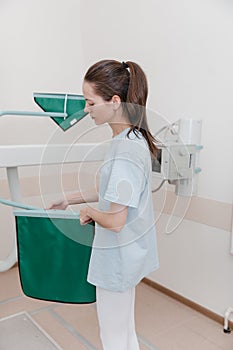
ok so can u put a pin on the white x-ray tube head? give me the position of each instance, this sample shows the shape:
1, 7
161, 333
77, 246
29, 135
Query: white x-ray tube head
189, 131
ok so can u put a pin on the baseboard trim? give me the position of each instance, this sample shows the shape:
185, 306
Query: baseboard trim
210, 314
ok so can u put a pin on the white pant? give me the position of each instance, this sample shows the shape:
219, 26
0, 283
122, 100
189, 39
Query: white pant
116, 319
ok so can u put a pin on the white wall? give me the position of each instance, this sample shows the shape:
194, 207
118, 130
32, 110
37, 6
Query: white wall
185, 49
195, 262
40, 52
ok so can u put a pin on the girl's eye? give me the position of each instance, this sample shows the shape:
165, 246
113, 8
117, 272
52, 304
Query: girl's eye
90, 104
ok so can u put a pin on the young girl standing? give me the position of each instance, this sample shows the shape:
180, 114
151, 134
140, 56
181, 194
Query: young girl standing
124, 248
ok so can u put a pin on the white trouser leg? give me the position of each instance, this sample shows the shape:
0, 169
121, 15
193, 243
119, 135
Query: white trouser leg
116, 319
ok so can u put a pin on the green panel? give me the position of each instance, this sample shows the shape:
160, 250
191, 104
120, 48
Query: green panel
53, 257
73, 105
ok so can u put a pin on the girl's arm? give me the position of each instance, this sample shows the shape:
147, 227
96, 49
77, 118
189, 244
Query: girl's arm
114, 219
76, 198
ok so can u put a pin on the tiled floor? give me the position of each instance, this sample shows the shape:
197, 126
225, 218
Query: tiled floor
162, 323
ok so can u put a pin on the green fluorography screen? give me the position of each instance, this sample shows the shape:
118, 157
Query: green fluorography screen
53, 255
73, 105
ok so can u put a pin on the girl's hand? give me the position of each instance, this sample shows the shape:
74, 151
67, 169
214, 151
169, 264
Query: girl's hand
84, 217
61, 204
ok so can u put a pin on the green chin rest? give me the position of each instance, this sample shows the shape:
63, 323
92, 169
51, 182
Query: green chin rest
72, 105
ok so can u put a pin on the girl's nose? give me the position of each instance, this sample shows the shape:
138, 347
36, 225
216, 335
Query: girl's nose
86, 109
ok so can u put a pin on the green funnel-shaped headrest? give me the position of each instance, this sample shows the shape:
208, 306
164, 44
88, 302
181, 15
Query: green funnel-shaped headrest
73, 105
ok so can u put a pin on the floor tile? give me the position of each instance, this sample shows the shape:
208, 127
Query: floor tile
10, 285
182, 338
211, 330
83, 319
20, 332
155, 312
58, 331
22, 304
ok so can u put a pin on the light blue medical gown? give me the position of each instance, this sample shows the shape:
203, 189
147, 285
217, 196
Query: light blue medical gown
120, 260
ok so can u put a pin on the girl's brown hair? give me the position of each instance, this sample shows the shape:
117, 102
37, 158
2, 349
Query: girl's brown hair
128, 81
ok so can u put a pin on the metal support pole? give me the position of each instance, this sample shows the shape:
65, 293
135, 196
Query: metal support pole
14, 187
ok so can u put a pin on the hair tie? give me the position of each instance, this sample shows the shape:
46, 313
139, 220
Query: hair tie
124, 65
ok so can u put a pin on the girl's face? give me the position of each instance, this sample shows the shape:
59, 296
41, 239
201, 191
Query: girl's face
100, 110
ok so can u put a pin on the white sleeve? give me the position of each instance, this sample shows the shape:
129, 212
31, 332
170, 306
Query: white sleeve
126, 181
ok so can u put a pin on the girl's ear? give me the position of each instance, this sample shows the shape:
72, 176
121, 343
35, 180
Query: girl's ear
116, 100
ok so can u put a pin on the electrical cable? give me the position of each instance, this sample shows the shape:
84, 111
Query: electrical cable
158, 188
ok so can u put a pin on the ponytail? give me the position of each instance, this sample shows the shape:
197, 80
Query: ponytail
128, 81
136, 104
